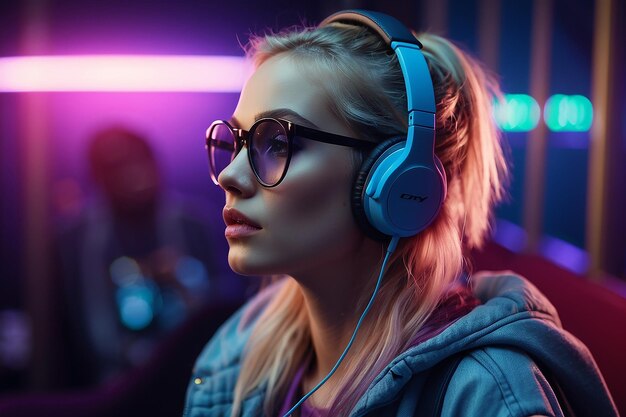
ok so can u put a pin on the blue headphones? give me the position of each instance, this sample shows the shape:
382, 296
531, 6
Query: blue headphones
401, 185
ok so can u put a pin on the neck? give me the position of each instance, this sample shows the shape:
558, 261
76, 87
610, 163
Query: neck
334, 313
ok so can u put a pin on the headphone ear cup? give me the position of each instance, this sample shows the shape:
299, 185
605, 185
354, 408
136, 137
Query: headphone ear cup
358, 210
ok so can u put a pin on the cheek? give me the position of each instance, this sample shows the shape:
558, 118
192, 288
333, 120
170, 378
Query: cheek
312, 213
312, 207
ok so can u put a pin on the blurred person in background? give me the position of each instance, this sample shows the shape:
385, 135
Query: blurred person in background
133, 266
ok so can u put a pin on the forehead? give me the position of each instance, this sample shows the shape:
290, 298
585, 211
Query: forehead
279, 83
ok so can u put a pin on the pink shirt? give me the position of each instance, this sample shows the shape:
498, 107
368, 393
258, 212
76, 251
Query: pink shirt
292, 399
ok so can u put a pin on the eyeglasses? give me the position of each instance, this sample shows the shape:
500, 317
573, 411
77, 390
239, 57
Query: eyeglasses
270, 146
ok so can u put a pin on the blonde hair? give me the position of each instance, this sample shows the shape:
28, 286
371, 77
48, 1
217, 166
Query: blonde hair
365, 89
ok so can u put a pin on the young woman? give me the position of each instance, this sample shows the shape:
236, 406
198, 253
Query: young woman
297, 161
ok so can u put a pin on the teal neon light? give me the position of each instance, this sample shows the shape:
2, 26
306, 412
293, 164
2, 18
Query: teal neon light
517, 113
568, 113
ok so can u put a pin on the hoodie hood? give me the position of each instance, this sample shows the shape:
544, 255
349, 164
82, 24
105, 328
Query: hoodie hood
514, 313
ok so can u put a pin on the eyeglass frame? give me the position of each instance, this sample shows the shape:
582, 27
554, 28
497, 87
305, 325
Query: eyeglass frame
242, 137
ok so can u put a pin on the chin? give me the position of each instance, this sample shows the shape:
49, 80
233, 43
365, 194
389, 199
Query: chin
242, 265
249, 263
238, 266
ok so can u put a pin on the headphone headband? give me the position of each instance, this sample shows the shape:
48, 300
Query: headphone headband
388, 27
402, 191
420, 94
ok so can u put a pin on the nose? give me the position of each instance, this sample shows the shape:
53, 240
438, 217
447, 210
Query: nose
237, 178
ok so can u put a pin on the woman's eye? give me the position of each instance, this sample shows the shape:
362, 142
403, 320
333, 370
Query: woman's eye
279, 146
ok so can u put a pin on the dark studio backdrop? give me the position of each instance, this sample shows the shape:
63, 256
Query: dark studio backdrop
44, 174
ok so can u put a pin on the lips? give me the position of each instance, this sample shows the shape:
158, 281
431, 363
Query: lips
237, 224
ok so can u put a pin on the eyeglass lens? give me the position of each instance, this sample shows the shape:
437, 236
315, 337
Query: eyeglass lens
268, 149
221, 148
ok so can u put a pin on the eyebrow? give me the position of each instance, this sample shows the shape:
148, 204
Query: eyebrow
287, 114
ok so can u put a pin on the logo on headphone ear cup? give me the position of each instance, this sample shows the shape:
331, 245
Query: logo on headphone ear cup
408, 198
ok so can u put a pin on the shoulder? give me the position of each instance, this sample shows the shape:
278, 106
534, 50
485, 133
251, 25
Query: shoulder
215, 373
499, 381
227, 344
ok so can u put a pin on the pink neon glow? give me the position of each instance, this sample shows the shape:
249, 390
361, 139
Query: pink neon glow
123, 73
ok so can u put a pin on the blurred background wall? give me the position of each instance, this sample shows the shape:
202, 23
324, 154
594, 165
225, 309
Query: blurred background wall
561, 64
